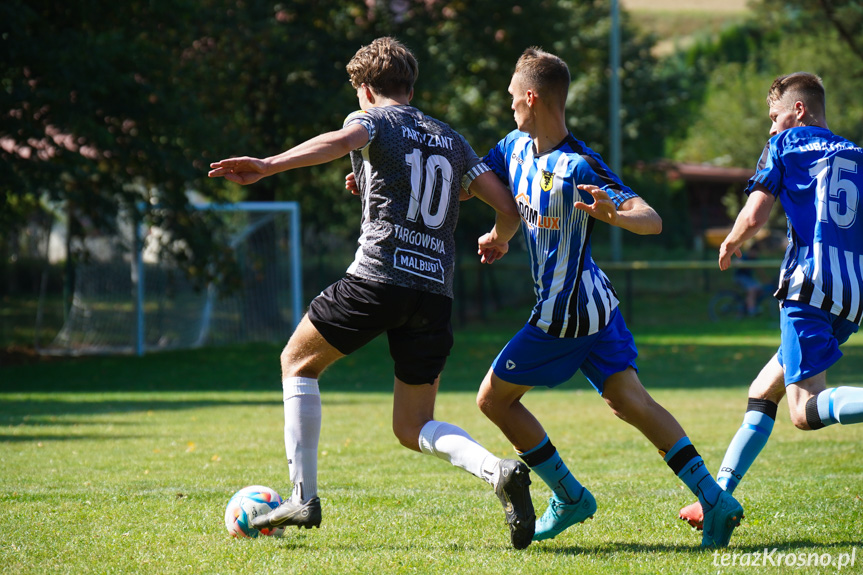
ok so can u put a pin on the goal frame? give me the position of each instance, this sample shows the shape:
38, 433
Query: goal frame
138, 280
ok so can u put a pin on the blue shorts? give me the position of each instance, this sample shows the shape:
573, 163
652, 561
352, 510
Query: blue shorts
810, 340
534, 358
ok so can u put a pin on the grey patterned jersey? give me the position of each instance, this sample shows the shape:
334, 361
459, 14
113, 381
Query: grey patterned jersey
409, 175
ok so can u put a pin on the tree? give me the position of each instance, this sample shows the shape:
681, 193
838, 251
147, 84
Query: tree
728, 125
120, 107
97, 117
845, 17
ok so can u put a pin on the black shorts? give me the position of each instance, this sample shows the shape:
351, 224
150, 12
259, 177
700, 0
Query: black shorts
353, 311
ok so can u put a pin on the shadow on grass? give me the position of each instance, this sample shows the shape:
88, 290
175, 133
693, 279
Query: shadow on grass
794, 546
254, 368
53, 413
611, 549
615, 547
29, 438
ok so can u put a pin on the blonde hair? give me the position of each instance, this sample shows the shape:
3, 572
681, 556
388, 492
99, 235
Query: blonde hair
800, 86
545, 73
386, 66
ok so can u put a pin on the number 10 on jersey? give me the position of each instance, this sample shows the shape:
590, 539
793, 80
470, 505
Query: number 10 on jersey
426, 177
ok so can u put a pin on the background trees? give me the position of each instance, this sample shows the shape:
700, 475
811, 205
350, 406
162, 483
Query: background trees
729, 124
112, 107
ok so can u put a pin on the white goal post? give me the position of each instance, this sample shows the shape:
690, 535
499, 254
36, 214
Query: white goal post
128, 299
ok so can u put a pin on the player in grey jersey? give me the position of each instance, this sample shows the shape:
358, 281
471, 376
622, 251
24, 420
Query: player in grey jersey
410, 169
408, 239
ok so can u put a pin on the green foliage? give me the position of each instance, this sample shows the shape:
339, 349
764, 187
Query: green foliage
728, 123
97, 114
120, 107
731, 128
669, 200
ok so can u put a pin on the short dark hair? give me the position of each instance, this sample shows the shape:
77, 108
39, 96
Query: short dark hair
803, 87
386, 66
545, 73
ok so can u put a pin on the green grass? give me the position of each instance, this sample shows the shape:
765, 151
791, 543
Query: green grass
125, 464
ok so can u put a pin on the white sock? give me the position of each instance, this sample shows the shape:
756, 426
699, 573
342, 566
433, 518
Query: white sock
450, 443
302, 432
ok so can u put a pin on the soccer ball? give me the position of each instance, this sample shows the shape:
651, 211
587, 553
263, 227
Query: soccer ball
245, 505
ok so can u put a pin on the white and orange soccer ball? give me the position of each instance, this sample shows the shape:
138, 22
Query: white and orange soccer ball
245, 505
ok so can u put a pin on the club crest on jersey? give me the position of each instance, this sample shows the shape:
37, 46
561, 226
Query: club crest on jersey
547, 180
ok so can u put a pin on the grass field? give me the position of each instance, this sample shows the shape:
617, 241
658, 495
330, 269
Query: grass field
124, 465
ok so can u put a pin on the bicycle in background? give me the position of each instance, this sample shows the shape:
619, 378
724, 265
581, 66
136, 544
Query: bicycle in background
731, 304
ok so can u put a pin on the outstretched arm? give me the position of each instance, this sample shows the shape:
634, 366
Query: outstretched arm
494, 245
634, 215
751, 218
318, 150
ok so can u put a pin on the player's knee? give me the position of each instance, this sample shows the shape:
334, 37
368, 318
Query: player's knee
622, 412
802, 425
624, 408
492, 406
484, 402
798, 418
408, 435
290, 366
297, 365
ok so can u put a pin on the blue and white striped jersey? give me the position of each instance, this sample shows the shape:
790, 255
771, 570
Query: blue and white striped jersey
574, 297
818, 178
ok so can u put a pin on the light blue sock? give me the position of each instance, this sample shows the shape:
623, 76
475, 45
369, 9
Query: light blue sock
545, 461
684, 461
840, 405
748, 442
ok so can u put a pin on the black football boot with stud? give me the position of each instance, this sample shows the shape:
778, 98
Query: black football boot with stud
304, 515
514, 494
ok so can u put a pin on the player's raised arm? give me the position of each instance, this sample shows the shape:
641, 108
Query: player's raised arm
634, 215
318, 150
495, 244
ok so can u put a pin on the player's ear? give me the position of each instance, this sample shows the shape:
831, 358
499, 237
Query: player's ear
411, 95
799, 110
369, 93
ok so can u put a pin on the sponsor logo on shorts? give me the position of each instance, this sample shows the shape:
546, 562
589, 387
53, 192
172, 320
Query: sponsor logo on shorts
419, 265
510, 364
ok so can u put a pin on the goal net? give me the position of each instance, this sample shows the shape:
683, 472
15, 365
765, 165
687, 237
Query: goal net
128, 298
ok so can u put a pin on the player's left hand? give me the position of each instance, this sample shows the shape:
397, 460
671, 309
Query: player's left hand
491, 248
725, 253
351, 184
602, 208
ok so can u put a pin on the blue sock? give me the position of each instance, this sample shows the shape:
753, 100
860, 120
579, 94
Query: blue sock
545, 461
836, 405
748, 442
684, 461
